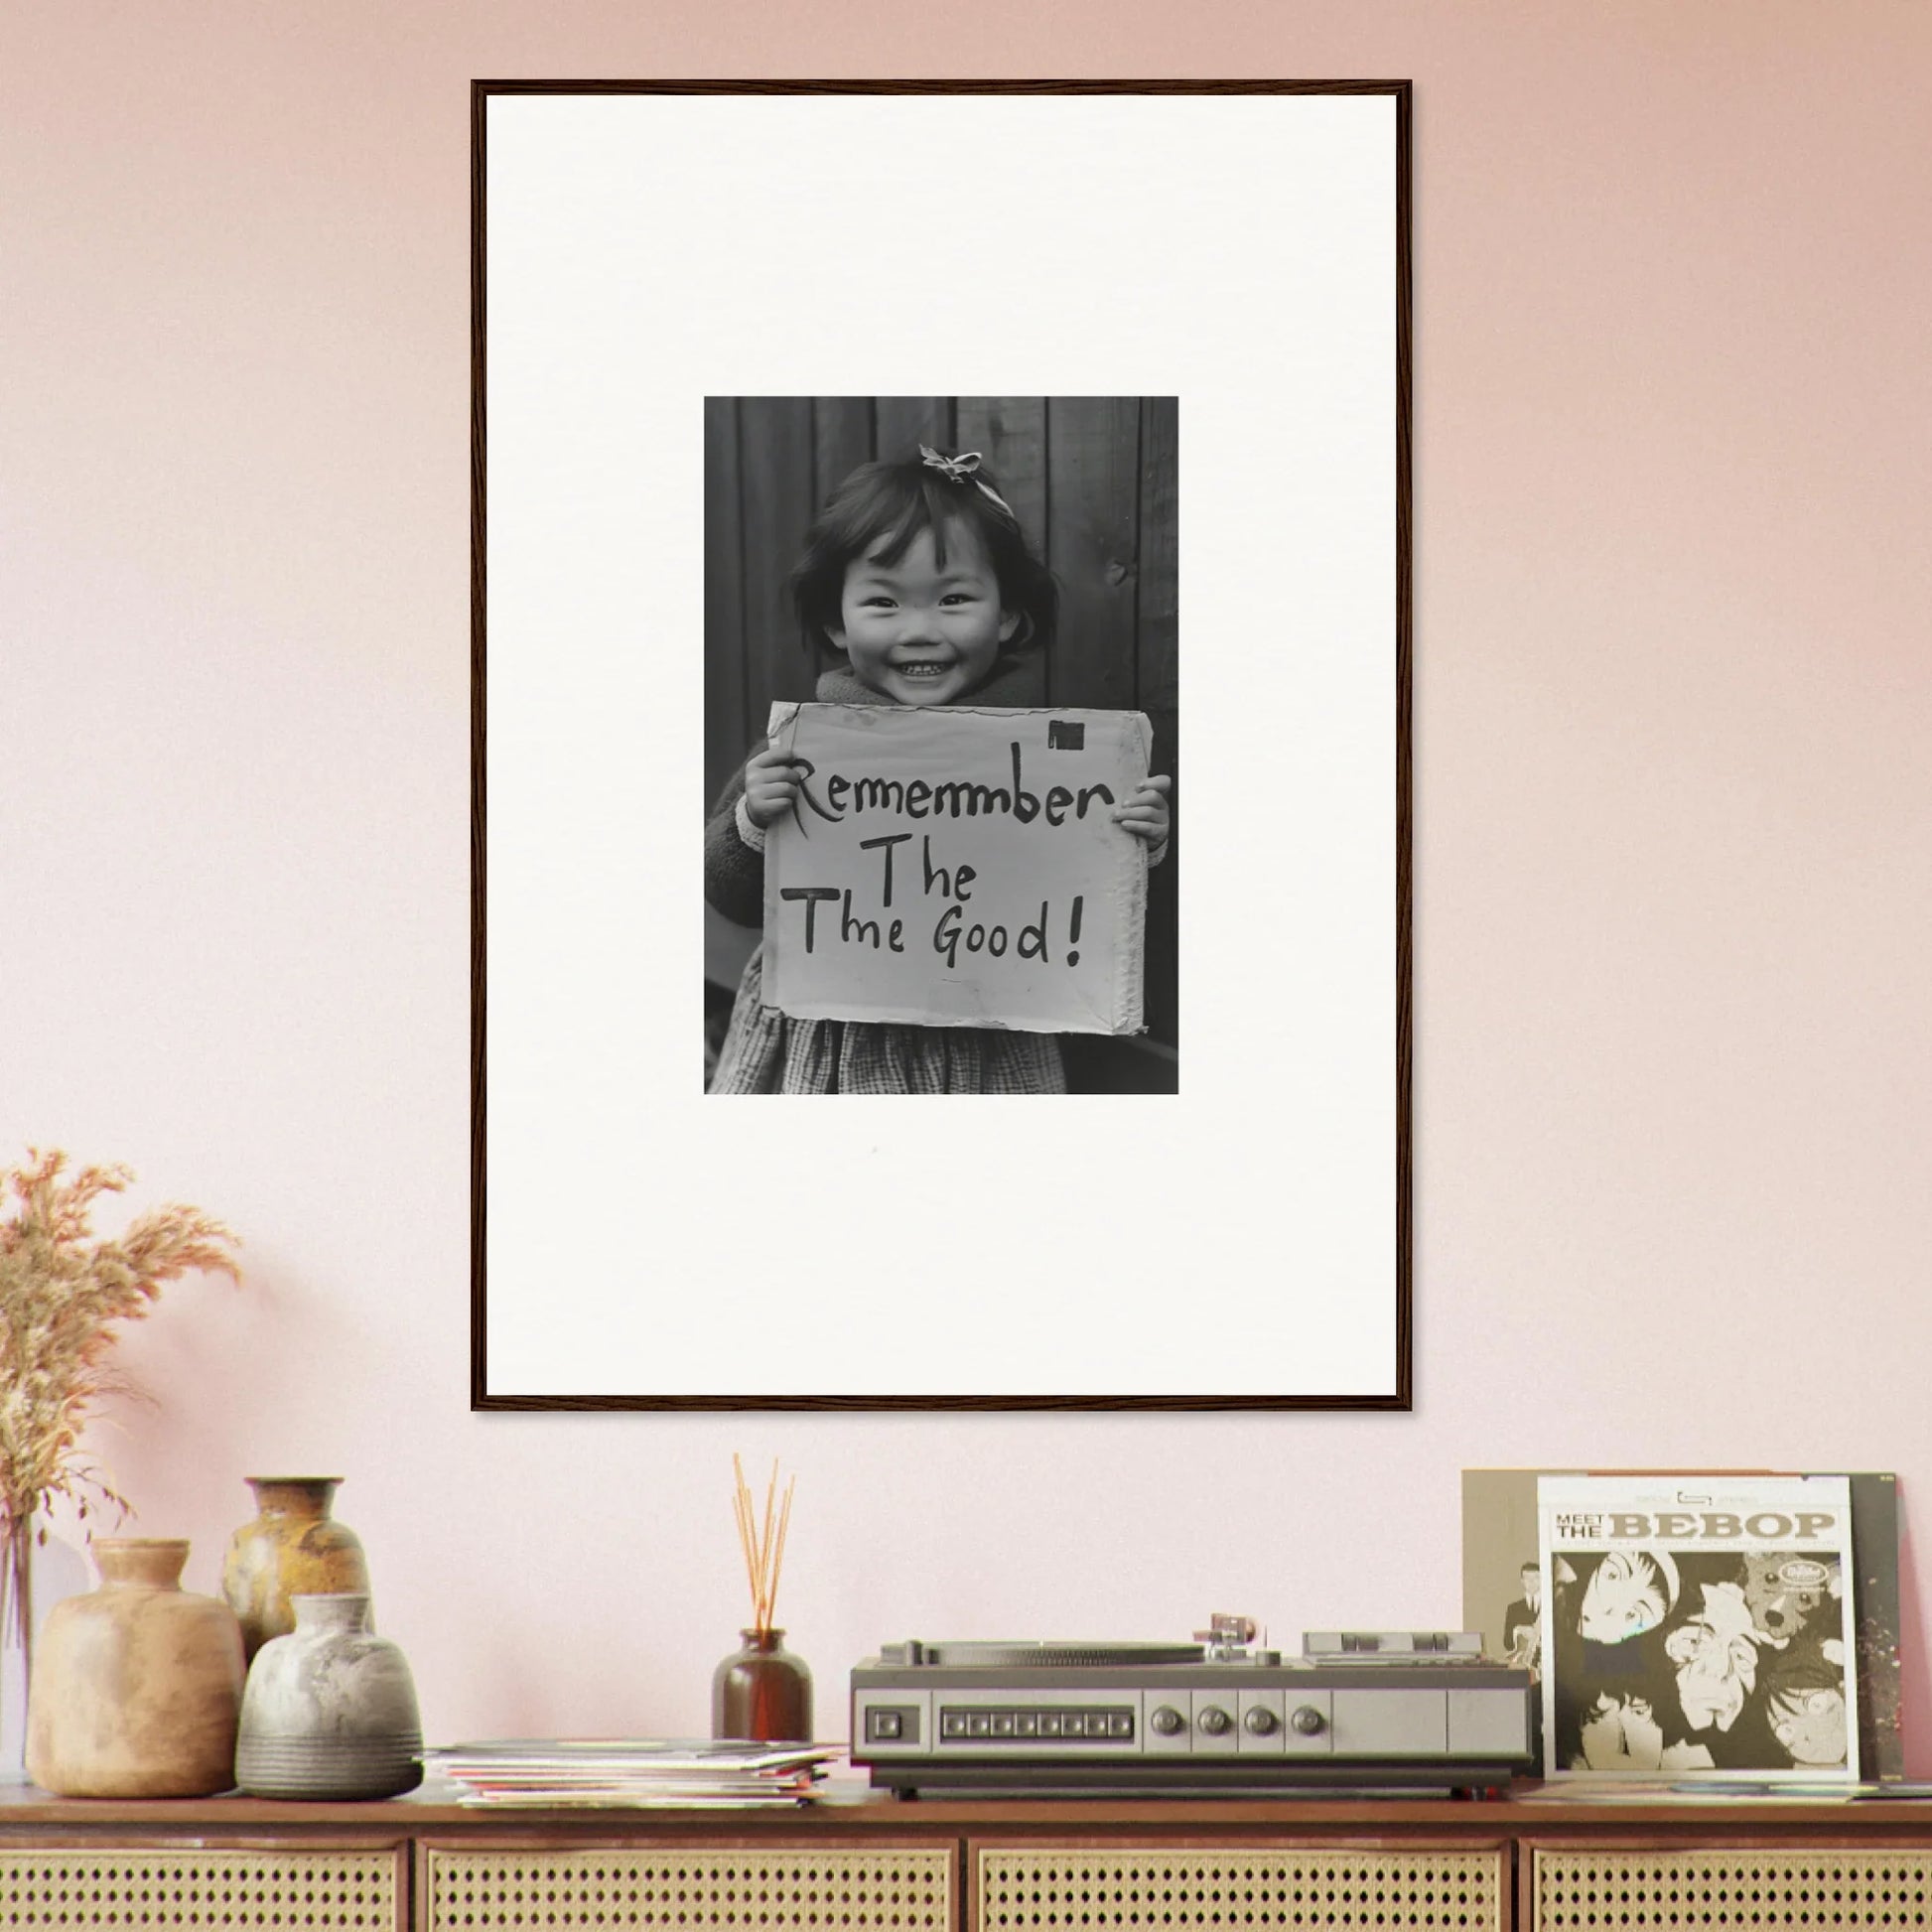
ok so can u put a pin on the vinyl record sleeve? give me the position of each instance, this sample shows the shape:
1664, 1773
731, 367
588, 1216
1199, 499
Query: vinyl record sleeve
1500, 1547
1697, 1628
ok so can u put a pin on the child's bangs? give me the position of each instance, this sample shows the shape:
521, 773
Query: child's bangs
898, 515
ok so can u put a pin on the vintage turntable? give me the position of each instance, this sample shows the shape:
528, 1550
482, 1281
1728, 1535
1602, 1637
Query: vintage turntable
1357, 1710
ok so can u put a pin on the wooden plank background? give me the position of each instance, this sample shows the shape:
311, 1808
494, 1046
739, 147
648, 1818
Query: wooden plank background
1093, 483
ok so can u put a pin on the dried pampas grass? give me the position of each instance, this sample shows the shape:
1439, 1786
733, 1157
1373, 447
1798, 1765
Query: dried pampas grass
62, 1295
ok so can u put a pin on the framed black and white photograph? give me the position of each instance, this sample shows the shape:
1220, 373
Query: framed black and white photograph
862, 472
976, 894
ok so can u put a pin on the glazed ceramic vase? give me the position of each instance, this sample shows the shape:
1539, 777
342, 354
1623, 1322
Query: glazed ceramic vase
136, 1687
762, 1691
294, 1545
330, 1709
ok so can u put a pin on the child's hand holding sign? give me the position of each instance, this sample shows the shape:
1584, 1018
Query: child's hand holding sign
1146, 813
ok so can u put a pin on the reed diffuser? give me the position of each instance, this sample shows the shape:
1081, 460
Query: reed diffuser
762, 1692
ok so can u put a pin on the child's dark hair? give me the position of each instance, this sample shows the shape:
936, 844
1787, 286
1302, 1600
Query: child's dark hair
882, 507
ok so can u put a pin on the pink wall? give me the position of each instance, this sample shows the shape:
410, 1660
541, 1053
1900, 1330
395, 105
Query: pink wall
1674, 806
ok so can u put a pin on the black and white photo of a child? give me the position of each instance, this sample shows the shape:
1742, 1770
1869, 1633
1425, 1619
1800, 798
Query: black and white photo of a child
915, 583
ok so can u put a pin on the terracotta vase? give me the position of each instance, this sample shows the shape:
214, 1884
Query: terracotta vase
294, 1547
329, 1711
762, 1691
137, 1686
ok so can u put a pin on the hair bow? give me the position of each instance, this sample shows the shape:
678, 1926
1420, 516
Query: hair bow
959, 469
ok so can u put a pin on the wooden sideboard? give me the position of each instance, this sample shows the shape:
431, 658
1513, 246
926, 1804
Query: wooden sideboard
866, 1863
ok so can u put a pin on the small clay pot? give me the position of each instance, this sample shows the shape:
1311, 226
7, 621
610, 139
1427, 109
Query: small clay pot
294, 1547
330, 1709
137, 1686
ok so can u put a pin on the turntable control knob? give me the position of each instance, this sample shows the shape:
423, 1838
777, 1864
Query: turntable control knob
1167, 1721
1307, 1720
1215, 1721
1260, 1720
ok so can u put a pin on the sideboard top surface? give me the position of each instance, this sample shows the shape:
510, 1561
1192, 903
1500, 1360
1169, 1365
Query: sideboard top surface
26, 1810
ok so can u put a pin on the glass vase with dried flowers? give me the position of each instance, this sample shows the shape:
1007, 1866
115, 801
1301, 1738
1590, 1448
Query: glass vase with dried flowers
62, 1295
762, 1691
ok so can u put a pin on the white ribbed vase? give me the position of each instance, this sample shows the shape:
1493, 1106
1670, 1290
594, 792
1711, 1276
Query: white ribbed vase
329, 1711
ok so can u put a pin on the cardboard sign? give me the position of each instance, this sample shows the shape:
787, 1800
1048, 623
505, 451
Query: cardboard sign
958, 868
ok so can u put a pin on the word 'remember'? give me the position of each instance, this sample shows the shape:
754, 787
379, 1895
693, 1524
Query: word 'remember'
952, 797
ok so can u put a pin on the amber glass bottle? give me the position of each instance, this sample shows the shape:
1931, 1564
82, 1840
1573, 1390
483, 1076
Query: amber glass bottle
762, 1691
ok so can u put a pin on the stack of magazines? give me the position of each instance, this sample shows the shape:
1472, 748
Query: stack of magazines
633, 1771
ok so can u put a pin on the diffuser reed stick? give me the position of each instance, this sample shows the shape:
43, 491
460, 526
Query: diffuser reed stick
762, 1539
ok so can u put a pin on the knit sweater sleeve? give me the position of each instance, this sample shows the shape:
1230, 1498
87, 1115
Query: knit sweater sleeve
734, 869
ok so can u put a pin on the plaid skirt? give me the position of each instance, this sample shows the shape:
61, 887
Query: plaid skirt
767, 1052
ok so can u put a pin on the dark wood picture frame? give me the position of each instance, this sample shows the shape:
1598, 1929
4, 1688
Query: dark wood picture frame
1398, 1395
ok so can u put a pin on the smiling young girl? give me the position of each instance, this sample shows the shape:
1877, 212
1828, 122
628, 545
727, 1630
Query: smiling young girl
918, 575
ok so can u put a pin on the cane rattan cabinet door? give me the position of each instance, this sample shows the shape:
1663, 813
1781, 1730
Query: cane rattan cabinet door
1784, 1889
1195, 1889
692, 1888
192, 1888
